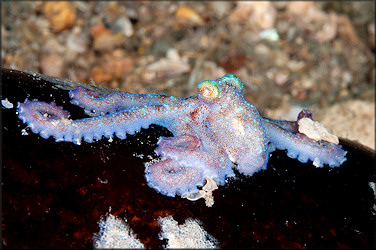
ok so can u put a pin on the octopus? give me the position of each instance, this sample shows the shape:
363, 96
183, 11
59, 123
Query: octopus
214, 132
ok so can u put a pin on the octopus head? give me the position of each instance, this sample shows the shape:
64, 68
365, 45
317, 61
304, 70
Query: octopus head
235, 123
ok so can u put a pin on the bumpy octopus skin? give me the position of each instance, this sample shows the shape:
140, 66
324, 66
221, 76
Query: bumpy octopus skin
214, 132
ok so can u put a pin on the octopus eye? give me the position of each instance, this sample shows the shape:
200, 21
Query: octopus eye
208, 91
232, 80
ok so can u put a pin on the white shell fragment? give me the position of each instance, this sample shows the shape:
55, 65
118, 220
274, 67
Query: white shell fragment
316, 131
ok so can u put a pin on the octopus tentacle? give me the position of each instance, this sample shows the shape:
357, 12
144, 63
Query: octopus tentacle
187, 150
303, 148
40, 115
185, 168
95, 104
50, 120
183, 141
291, 126
170, 178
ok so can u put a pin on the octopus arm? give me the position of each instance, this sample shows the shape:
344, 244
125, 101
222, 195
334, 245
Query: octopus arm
170, 178
96, 104
184, 166
291, 126
51, 120
303, 148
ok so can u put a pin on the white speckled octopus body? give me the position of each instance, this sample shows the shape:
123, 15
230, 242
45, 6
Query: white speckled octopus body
214, 132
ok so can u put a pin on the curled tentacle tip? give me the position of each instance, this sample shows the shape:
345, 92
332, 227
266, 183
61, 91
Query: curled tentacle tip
169, 178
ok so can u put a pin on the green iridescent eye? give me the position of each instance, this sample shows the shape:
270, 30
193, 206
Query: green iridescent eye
208, 91
233, 80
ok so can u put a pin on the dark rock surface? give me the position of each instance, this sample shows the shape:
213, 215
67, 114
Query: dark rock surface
53, 194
